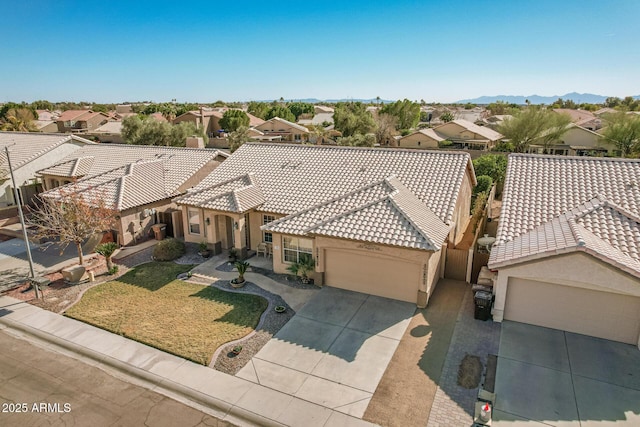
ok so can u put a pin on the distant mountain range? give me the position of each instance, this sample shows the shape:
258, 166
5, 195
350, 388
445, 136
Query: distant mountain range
536, 99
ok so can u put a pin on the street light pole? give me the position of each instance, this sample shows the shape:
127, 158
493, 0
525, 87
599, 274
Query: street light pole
24, 228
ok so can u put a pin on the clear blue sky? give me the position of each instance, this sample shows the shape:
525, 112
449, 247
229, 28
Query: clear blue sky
252, 50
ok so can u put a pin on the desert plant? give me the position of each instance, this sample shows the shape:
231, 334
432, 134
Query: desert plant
241, 266
237, 349
107, 250
113, 270
303, 267
169, 249
203, 249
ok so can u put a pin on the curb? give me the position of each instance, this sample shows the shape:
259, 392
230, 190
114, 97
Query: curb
163, 383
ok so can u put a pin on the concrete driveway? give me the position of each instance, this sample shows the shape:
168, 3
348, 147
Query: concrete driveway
14, 263
564, 379
334, 351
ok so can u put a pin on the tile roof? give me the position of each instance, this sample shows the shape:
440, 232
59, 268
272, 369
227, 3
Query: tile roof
286, 123
127, 176
25, 147
576, 115
483, 131
235, 195
110, 127
72, 115
411, 192
553, 203
382, 212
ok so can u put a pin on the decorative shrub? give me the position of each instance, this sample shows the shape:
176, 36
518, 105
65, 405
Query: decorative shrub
169, 249
113, 270
484, 184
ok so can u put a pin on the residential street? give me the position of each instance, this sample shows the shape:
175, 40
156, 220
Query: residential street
78, 394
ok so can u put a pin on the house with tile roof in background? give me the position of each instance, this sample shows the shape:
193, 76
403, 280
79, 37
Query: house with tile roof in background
375, 220
466, 134
567, 253
577, 141
286, 130
79, 121
138, 182
209, 120
30, 152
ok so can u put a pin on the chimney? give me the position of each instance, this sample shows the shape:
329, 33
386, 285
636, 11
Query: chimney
195, 142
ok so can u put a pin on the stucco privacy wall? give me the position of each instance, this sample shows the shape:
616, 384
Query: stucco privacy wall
578, 270
461, 214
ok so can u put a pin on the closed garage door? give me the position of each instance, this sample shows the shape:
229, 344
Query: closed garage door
599, 314
374, 275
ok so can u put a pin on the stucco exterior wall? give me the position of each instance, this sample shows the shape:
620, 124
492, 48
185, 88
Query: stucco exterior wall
417, 140
576, 269
461, 214
135, 226
287, 132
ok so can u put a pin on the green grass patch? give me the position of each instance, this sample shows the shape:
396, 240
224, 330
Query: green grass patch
149, 305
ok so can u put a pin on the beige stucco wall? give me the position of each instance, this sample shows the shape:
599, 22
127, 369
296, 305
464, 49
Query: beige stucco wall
288, 132
461, 214
255, 221
575, 269
417, 140
134, 226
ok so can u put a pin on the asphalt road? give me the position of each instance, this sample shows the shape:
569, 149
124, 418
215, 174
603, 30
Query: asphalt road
40, 387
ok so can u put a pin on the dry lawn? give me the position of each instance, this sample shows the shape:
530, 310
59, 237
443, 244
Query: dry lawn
149, 305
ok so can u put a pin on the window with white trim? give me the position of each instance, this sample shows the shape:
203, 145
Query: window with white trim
292, 247
267, 237
194, 222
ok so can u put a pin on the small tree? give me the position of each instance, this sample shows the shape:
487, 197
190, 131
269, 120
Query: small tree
237, 138
320, 133
447, 117
623, 131
71, 217
107, 250
385, 128
233, 119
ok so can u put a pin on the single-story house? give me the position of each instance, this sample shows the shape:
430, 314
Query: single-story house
289, 131
109, 132
583, 118
424, 138
468, 134
137, 181
567, 253
318, 119
576, 141
30, 152
375, 220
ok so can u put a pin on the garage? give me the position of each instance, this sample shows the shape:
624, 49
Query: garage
371, 274
584, 311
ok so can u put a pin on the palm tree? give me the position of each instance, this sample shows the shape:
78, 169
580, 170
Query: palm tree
107, 250
320, 132
19, 120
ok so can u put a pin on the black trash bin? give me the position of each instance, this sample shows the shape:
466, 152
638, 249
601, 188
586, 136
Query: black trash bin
483, 301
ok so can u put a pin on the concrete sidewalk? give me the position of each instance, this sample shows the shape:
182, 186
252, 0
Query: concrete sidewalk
232, 399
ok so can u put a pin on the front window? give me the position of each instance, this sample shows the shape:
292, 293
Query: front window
293, 246
194, 222
266, 236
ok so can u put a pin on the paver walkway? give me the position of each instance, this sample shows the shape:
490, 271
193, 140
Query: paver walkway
408, 387
454, 405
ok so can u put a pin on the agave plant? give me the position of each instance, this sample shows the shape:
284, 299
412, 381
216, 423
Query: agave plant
107, 250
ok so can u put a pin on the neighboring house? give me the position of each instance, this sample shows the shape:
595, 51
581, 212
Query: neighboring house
209, 120
318, 119
469, 135
567, 253
583, 118
77, 121
287, 130
424, 138
375, 220
322, 109
46, 115
137, 181
30, 152
496, 120
110, 132
576, 141
124, 109
46, 126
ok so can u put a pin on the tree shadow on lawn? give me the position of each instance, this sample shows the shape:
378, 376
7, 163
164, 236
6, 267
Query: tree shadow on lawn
246, 308
154, 275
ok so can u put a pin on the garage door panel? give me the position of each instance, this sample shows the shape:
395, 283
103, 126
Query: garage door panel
374, 275
600, 314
